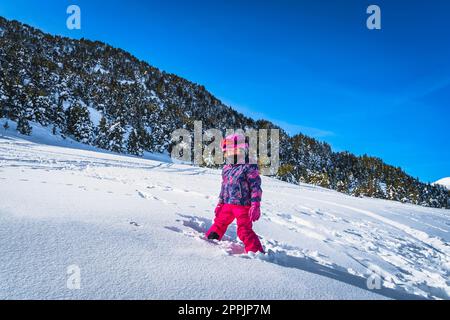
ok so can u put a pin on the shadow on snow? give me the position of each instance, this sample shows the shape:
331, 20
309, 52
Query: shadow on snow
281, 258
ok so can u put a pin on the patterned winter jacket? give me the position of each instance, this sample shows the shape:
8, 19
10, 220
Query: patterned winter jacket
241, 184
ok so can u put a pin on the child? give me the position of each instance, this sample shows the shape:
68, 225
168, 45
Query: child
240, 196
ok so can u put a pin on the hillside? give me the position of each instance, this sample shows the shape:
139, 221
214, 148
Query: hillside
104, 97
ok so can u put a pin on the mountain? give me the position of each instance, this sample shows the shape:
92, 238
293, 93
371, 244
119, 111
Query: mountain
132, 228
445, 182
105, 97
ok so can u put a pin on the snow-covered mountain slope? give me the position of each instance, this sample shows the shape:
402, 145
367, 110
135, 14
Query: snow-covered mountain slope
104, 96
134, 228
444, 182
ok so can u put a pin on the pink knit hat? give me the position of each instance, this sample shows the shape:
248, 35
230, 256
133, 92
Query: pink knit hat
234, 141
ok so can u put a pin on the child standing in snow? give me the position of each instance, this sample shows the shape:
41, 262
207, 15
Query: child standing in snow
240, 196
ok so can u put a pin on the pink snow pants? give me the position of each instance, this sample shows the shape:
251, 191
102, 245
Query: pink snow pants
244, 226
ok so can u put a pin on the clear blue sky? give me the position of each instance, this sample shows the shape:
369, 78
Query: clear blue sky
310, 66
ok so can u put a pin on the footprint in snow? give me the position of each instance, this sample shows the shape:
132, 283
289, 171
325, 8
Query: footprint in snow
285, 215
152, 197
284, 255
353, 232
171, 228
195, 227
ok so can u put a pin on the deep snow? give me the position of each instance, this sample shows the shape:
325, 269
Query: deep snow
134, 228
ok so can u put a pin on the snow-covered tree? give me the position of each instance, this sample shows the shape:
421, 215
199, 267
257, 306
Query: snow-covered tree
134, 145
79, 124
23, 126
115, 135
102, 134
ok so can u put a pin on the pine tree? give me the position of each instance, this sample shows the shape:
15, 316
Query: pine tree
319, 178
115, 135
134, 145
79, 124
341, 186
23, 126
286, 173
145, 139
58, 116
3, 108
102, 134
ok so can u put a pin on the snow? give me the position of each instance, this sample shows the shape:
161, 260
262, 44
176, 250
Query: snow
66, 104
383, 188
99, 68
134, 228
68, 48
94, 115
127, 82
41, 134
444, 182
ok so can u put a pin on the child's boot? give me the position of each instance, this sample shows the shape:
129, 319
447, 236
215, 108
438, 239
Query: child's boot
213, 236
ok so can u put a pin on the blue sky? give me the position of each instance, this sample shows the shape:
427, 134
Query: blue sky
309, 66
